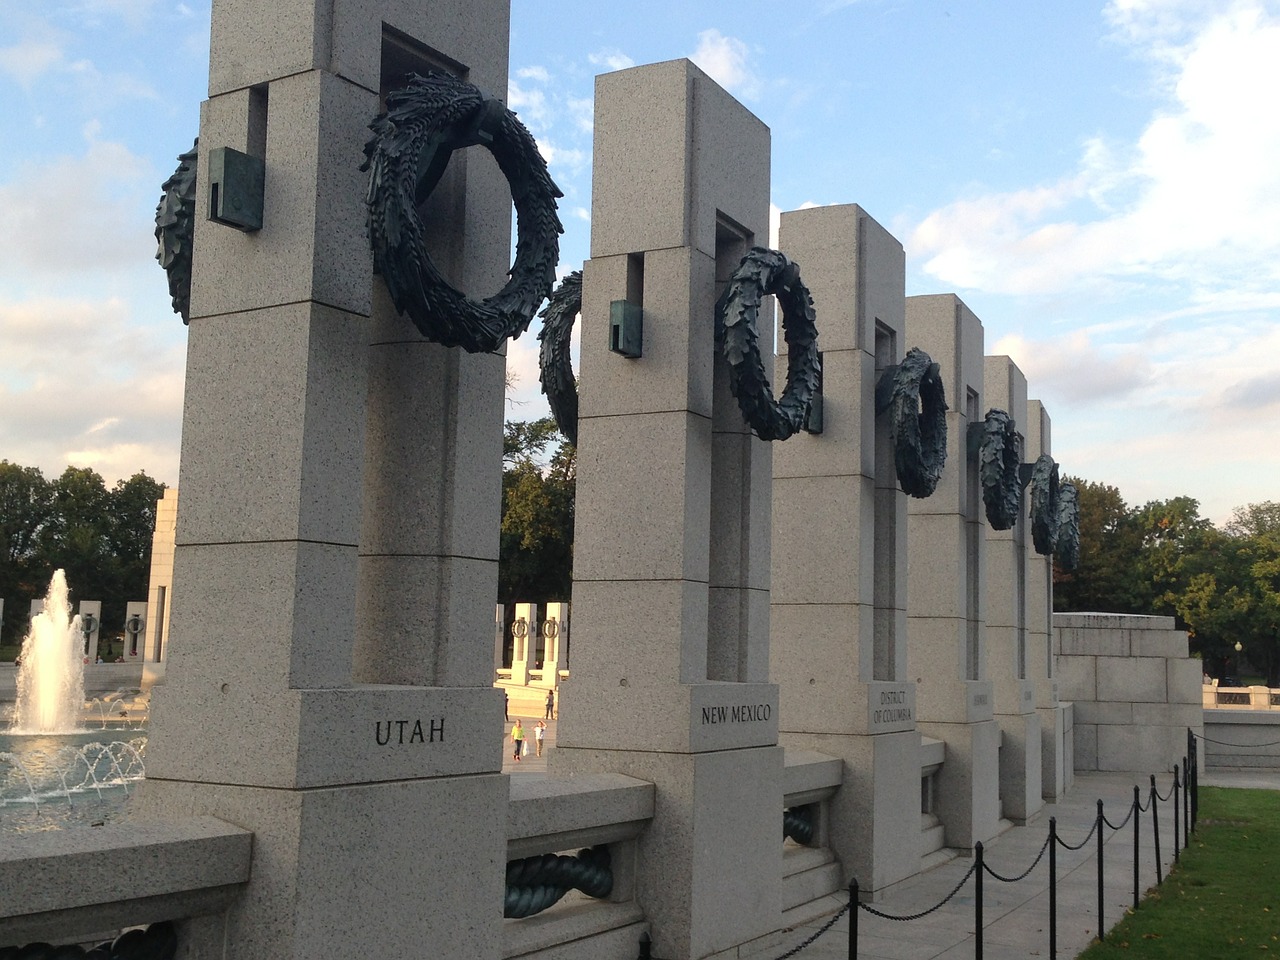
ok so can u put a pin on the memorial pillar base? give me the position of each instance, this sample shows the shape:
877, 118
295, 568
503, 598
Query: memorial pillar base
709, 866
967, 798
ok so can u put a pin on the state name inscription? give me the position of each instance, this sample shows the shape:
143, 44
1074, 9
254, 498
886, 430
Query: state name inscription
895, 707
737, 713
397, 732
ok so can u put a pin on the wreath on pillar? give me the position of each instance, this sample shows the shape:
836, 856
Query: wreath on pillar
555, 371
426, 120
763, 272
913, 394
175, 230
1067, 550
999, 457
1044, 504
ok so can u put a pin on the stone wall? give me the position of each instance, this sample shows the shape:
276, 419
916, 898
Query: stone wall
1135, 689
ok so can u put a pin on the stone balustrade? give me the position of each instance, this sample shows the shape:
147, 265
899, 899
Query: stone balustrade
1240, 698
90, 884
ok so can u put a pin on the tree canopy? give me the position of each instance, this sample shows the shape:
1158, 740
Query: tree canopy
100, 536
535, 559
1163, 558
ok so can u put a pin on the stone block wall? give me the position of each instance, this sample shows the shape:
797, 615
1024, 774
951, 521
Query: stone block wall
1134, 686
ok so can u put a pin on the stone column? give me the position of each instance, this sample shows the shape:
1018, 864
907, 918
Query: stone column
945, 593
160, 588
132, 642
1005, 388
350, 789
87, 609
525, 634
671, 549
557, 649
838, 610
1055, 717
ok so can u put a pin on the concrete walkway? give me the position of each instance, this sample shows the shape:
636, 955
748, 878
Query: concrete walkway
1015, 915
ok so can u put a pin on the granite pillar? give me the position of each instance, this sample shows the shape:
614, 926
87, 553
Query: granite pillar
671, 551
838, 603
946, 593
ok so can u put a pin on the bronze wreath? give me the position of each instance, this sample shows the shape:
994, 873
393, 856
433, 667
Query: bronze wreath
999, 457
763, 272
916, 399
1044, 504
175, 230
1067, 549
555, 371
425, 122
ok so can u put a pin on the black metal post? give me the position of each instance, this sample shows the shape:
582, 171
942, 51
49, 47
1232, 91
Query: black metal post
853, 919
1177, 838
977, 903
1102, 931
1053, 888
1155, 829
1186, 802
1136, 811
646, 945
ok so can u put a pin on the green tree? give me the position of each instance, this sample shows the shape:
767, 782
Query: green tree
26, 506
1105, 580
535, 560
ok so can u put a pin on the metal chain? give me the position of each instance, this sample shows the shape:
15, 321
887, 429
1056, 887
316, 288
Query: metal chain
1141, 808
1092, 830
924, 913
1121, 824
1167, 797
1221, 743
821, 930
1039, 856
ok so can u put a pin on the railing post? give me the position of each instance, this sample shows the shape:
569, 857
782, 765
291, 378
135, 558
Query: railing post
853, 919
1101, 928
1053, 888
1177, 837
646, 945
977, 903
1155, 828
1137, 810
1186, 802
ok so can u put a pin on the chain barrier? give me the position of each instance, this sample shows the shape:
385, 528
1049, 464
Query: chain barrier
1025, 873
820, 931
1050, 846
1116, 827
1079, 846
1222, 743
924, 913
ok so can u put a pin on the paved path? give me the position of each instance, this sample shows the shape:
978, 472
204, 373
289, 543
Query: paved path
1015, 916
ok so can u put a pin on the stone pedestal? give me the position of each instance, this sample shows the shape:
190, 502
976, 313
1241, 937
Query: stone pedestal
946, 585
838, 605
671, 554
1005, 388
87, 609
1058, 771
339, 526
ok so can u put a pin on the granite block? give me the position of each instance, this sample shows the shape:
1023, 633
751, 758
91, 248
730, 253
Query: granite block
823, 547
738, 634
675, 370
967, 797
273, 427
1020, 767
815, 651
846, 445
1137, 679
646, 523
938, 568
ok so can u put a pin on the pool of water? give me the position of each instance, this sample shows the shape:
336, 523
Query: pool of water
60, 781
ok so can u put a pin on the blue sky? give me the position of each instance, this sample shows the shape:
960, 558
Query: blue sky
1099, 183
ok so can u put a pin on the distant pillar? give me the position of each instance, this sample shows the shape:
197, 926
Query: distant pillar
135, 630
524, 632
1005, 389
945, 560
1056, 757
90, 617
671, 558
838, 599
160, 588
556, 627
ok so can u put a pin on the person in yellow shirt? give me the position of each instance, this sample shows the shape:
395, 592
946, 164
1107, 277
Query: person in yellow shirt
517, 738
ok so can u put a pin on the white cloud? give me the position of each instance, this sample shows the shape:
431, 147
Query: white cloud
610, 58
28, 61
1195, 199
61, 353
725, 59
536, 73
529, 104
77, 213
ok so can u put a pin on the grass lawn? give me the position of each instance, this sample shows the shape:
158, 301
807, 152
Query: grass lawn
1223, 899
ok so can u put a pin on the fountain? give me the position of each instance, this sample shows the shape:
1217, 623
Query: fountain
51, 678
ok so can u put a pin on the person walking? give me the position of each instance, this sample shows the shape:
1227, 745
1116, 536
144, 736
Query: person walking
551, 704
539, 735
517, 738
